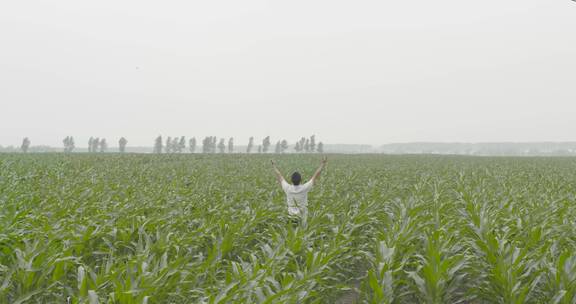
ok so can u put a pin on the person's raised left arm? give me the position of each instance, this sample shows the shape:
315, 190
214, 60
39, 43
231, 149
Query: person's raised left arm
279, 176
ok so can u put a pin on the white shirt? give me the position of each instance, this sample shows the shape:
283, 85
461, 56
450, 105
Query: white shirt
297, 198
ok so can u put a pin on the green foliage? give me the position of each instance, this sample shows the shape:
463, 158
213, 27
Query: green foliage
94, 228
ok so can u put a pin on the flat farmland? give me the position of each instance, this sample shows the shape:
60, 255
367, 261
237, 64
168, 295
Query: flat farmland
194, 228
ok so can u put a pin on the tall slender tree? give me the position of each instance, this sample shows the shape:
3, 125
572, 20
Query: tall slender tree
283, 146
302, 144
95, 144
122, 144
90, 144
182, 144
250, 145
206, 144
175, 144
103, 145
297, 147
312, 143
25, 145
68, 144
192, 145
231, 145
158, 145
320, 147
222, 146
213, 144
265, 144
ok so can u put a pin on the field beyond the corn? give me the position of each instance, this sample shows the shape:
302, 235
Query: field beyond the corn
111, 228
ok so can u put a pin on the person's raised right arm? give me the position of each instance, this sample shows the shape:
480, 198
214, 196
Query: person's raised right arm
319, 170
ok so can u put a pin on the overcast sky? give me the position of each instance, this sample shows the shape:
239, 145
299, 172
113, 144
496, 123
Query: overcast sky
369, 72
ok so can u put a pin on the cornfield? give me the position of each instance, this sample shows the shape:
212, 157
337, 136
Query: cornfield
89, 228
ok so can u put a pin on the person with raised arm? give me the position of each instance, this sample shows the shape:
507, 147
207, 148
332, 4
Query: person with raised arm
297, 193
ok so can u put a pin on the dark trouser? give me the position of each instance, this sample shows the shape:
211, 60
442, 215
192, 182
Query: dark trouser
295, 220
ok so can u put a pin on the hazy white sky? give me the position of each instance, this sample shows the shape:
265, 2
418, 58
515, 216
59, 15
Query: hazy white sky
348, 71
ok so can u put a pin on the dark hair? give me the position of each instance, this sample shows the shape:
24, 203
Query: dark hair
296, 178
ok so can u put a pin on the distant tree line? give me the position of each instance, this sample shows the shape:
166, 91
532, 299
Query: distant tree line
210, 144
97, 145
308, 145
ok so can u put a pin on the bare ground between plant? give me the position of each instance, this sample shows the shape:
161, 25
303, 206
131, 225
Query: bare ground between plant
352, 296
